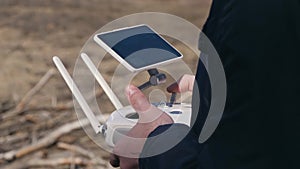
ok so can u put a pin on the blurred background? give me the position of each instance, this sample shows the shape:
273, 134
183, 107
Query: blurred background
38, 125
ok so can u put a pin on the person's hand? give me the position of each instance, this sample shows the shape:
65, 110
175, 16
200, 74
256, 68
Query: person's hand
126, 151
184, 84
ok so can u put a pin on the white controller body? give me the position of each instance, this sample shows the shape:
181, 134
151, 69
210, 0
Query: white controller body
122, 120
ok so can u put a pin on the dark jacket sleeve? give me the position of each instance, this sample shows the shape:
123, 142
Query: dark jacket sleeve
183, 155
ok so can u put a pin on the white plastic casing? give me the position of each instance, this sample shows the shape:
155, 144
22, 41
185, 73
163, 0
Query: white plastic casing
119, 122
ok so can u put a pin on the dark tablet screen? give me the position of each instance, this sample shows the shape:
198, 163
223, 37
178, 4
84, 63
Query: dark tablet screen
139, 46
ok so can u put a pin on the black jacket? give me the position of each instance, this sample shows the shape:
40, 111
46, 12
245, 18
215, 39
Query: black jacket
258, 42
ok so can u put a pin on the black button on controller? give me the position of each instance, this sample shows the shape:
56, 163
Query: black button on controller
176, 112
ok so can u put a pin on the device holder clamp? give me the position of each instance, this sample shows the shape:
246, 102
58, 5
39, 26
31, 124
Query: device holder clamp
155, 79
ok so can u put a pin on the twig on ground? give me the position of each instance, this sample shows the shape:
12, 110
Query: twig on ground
14, 138
75, 148
58, 162
46, 141
62, 106
29, 95
35, 162
82, 151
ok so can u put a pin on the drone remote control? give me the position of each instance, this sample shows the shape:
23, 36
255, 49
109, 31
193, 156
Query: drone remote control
138, 48
122, 120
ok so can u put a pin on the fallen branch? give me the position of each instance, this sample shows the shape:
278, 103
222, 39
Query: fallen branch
29, 95
58, 162
58, 107
61, 106
46, 141
77, 149
14, 138
82, 151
